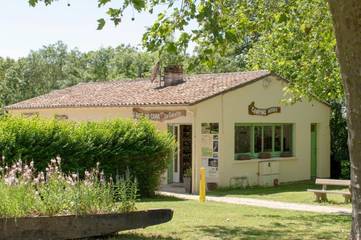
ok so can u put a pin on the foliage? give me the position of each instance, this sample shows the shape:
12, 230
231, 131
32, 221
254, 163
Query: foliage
289, 38
55, 67
25, 192
339, 147
119, 145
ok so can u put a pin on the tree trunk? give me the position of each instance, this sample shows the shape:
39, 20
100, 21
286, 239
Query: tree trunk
346, 16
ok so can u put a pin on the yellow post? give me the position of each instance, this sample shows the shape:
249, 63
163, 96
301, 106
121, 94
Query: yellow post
202, 185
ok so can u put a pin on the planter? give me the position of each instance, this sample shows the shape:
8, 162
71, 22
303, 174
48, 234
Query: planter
187, 180
75, 227
212, 186
264, 155
286, 154
243, 157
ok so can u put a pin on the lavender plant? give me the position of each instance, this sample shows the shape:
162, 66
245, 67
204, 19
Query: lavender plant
26, 192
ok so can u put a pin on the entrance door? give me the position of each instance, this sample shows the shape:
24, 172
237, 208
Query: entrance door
185, 150
173, 167
313, 150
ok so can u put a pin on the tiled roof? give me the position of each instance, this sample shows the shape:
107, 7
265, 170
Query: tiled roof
141, 92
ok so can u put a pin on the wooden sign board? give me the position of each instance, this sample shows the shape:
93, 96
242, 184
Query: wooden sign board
157, 115
253, 110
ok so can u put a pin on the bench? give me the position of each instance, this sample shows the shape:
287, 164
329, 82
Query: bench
321, 194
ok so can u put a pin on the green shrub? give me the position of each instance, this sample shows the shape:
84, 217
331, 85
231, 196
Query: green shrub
119, 145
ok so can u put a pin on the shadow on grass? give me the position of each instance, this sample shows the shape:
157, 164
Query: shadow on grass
134, 236
225, 232
281, 227
158, 198
275, 230
319, 218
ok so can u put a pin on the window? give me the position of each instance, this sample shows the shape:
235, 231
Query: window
287, 138
252, 139
258, 139
243, 139
278, 138
267, 139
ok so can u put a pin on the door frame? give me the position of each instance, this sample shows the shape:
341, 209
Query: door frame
314, 150
176, 168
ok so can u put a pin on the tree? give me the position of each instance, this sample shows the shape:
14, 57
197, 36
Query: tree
346, 16
223, 23
55, 67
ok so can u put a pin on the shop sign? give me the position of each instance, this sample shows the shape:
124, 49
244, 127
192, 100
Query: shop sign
157, 115
253, 110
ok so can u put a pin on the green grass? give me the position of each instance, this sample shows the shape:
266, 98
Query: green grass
288, 192
193, 220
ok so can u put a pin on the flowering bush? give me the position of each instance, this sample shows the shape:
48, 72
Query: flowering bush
119, 145
26, 192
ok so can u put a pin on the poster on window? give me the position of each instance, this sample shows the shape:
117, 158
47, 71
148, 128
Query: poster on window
210, 150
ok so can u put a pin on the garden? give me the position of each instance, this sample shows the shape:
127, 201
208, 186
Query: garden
67, 197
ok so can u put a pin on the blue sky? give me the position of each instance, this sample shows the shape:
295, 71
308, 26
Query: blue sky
24, 28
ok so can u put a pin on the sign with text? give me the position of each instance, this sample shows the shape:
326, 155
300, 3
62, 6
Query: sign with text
253, 110
157, 115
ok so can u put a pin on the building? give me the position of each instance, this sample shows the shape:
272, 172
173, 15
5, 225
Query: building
233, 124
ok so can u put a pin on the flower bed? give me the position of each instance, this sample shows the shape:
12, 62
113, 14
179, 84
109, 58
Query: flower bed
55, 205
26, 192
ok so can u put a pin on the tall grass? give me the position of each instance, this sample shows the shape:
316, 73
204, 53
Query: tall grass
25, 192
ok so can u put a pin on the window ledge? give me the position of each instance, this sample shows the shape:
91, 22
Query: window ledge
256, 160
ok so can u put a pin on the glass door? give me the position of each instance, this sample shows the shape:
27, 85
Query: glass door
173, 167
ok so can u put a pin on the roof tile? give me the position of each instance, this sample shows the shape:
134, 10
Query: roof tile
141, 92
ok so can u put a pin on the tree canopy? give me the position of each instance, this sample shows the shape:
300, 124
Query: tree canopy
56, 66
287, 37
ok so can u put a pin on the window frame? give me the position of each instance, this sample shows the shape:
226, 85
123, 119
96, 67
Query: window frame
253, 154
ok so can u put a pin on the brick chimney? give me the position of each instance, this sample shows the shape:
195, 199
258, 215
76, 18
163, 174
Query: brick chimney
173, 75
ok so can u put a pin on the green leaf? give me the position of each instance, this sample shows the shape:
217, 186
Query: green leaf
101, 24
33, 2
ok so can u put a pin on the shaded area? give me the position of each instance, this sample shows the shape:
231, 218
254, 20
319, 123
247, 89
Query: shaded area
193, 220
134, 236
159, 198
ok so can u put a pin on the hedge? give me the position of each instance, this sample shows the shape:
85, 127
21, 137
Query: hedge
117, 145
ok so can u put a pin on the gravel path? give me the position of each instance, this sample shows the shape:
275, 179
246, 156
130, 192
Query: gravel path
265, 203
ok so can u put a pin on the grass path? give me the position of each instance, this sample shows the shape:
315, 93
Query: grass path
193, 220
327, 209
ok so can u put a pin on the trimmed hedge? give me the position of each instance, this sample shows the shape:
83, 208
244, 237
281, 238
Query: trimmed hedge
117, 145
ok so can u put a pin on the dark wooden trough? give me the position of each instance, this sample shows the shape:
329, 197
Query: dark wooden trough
76, 227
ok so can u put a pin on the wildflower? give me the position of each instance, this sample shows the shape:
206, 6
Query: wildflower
58, 159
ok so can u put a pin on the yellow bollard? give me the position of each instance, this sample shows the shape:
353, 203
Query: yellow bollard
202, 185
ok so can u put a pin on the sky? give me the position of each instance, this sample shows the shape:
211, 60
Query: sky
23, 28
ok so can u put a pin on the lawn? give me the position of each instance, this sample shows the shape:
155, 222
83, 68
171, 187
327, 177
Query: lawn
193, 220
288, 192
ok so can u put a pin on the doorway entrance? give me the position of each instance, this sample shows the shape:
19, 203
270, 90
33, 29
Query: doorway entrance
182, 157
313, 150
